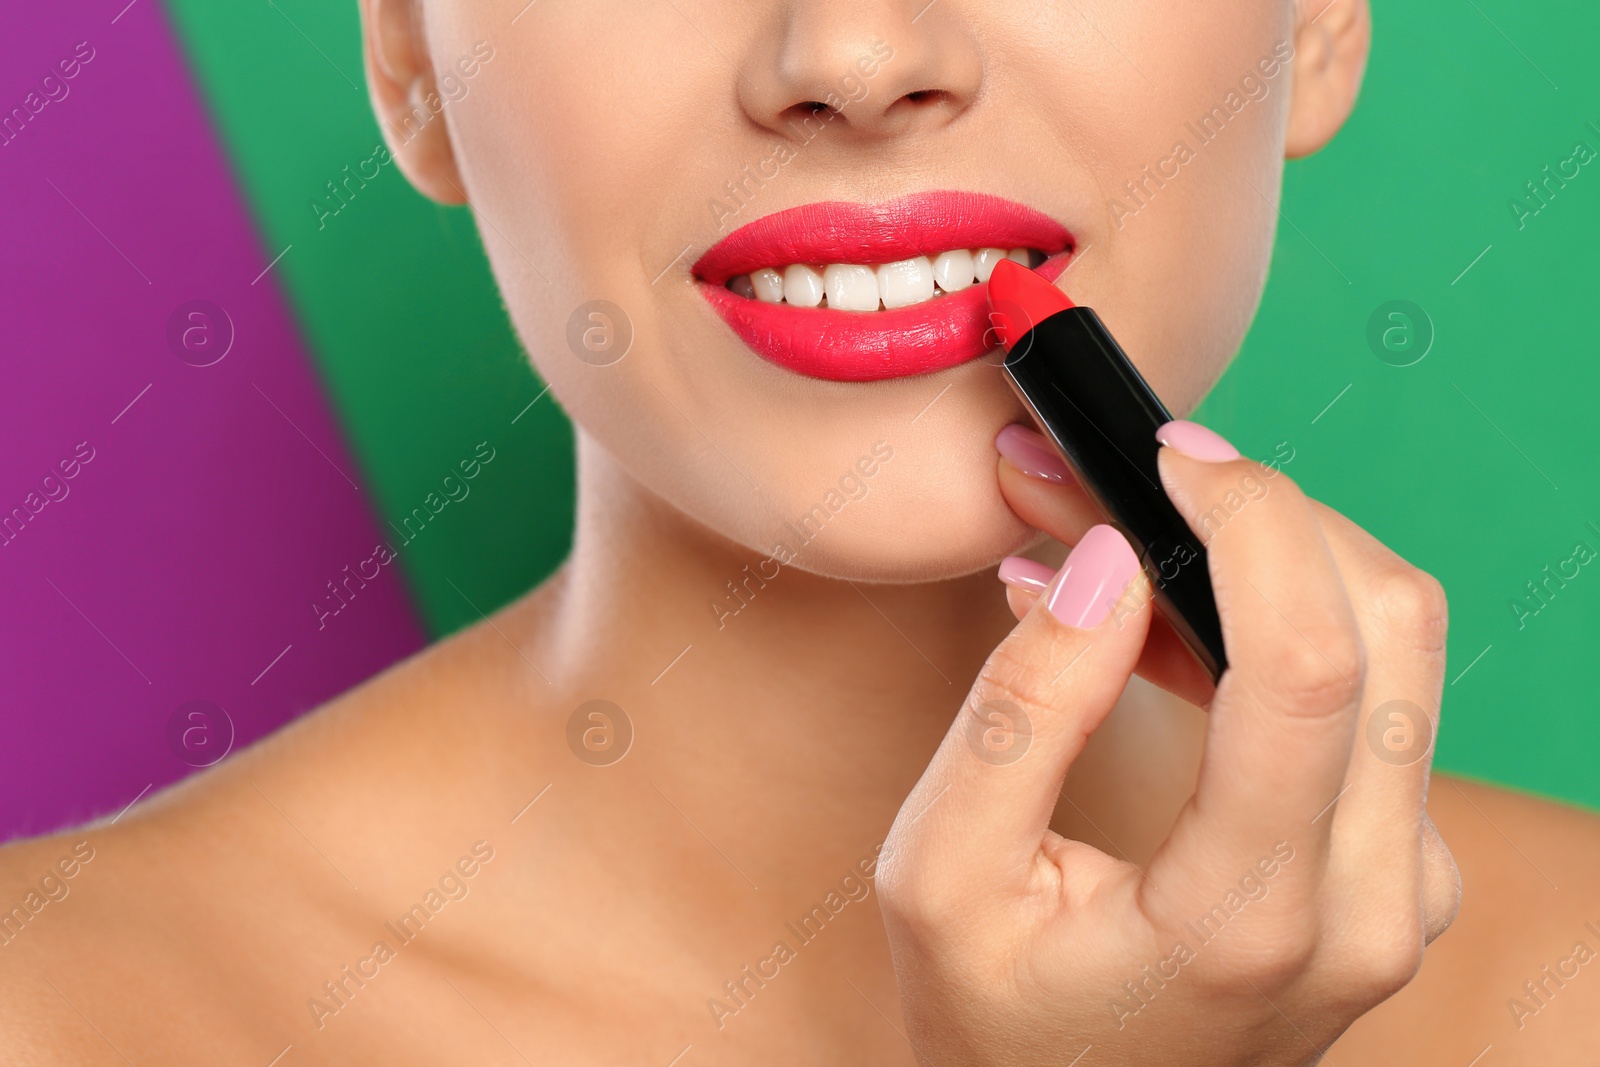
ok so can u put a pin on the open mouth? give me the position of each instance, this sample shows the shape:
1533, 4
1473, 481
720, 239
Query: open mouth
864, 292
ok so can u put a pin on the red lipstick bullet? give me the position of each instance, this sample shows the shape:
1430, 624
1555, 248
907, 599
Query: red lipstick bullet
1019, 300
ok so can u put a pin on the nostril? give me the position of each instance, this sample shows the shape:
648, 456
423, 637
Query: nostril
811, 114
927, 96
809, 109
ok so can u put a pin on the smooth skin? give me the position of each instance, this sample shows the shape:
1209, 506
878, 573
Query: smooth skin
824, 729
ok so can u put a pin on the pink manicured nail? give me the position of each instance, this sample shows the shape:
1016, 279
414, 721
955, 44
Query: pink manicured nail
1025, 574
1031, 454
1196, 442
1093, 579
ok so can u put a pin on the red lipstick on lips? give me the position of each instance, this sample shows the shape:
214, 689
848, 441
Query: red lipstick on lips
861, 346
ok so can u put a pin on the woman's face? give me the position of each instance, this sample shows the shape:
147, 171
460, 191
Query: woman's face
608, 145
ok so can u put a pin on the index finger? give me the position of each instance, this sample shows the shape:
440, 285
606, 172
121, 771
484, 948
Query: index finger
1279, 739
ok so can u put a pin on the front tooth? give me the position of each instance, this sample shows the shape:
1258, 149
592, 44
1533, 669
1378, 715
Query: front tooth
850, 287
802, 286
909, 281
768, 285
953, 270
1019, 255
985, 260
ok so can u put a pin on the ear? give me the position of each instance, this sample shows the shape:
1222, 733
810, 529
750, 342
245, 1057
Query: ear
1331, 41
406, 99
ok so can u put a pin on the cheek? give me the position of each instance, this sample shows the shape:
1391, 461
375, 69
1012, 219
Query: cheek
573, 159
564, 157
1189, 208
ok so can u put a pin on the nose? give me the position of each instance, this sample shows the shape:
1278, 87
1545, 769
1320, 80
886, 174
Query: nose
868, 68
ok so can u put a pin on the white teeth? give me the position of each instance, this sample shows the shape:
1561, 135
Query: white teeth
802, 286
851, 287
858, 287
985, 260
907, 282
768, 285
953, 270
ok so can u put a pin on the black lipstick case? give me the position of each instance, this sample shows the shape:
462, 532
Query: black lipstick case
1099, 411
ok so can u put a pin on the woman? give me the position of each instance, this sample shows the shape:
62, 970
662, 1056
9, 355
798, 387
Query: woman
642, 814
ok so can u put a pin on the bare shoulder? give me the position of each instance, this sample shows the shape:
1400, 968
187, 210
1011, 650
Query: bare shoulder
202, 925
37, 880
1516, 979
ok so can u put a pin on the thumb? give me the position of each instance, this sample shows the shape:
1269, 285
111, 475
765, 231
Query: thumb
986, 799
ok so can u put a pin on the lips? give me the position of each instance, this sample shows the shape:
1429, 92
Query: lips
863, 346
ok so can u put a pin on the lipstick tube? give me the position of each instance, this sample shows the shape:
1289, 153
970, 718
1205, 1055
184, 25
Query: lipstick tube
1098, 410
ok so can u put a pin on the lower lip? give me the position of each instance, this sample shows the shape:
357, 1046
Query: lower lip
868, 346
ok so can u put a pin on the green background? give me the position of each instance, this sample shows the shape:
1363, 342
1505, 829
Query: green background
395, 299
1477, 462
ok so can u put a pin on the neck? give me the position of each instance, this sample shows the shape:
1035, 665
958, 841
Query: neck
798, 710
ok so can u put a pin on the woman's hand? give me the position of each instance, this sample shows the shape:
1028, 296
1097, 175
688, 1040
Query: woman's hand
1300, 884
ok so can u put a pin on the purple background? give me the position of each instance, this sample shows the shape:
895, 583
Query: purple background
192, 546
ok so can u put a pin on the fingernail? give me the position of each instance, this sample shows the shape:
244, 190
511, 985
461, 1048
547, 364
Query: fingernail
1093, 578
1022, 573
1031, 454
1196, 441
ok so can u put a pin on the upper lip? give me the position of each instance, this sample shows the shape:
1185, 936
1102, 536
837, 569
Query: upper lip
919, 224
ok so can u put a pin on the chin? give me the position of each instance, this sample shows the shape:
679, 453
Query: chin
923, 528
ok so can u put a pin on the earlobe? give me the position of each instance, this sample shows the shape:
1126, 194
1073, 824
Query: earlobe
1332, 38
405, 99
